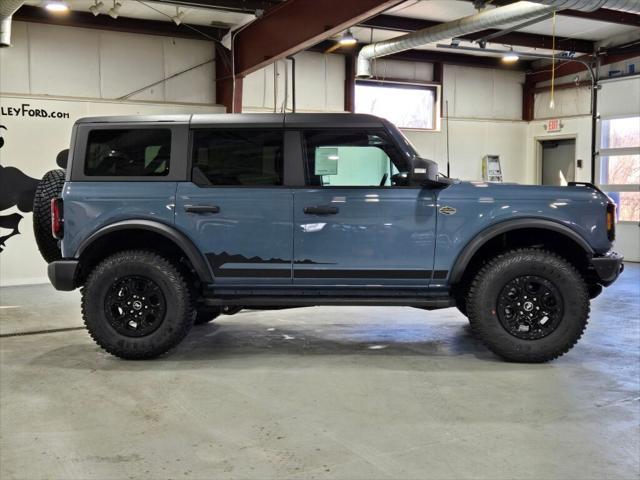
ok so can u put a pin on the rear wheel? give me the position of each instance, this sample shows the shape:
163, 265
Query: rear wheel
49, 188
528, 305
137, 305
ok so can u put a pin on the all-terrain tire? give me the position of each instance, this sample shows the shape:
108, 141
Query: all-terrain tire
560, 275
175, 296
49, 187
206, 315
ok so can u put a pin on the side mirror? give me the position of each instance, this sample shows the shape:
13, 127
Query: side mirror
423, 171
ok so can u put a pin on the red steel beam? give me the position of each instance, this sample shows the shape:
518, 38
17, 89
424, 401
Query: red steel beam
350, 83
296, 25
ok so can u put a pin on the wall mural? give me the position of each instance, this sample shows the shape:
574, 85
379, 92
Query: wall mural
16, 190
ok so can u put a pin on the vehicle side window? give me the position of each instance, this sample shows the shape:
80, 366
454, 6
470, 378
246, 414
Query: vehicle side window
238, 157
350, 158
134, 152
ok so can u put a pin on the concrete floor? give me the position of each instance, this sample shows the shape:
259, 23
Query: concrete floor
317, 393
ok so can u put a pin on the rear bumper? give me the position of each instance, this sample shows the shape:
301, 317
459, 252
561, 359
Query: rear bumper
608, 267
62, 274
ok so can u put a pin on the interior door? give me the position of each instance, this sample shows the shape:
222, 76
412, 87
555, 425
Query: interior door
355, 223
558, 161
236, 209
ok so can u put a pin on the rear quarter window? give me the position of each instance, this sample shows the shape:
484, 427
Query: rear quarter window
133, 152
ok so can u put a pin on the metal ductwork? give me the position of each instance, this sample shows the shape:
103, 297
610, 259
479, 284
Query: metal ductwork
629, 6
7, 8
491, 18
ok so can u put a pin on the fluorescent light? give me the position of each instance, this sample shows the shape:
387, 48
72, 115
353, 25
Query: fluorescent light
510, 57
95, 8
57, 7
347, 38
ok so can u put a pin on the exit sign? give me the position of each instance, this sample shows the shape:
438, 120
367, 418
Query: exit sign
553, 125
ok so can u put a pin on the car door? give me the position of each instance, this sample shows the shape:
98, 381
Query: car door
357, 222
235, 208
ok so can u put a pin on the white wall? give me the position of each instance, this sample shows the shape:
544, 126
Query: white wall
319, 85
485, 117
80, 72
482, 93
85, 63
469, 141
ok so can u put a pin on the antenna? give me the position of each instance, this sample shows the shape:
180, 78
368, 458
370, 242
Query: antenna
446, 110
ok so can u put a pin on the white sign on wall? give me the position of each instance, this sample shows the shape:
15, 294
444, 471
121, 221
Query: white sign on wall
34, 130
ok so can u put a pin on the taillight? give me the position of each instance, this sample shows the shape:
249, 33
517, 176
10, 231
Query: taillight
611, 221
57, 218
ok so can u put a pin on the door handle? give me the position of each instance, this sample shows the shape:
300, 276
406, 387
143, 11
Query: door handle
202, 208
321, 210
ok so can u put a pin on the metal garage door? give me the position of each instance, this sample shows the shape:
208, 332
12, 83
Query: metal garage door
618, 161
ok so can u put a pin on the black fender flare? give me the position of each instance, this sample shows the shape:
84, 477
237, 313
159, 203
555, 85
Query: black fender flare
487, 234
197, 259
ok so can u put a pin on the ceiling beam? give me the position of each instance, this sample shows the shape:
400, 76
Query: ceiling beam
600, 15
75, 18
296, 25
429, 56
520, 39
604, 15
457, 59
240, 6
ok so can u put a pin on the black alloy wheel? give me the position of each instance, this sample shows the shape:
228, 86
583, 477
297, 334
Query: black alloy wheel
530, 307
135, 306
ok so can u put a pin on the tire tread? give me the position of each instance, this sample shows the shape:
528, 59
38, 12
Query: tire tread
480, 328
49, 187
168, 269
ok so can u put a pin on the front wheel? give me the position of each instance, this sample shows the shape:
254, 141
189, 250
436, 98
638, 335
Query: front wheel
528, 305
137, 305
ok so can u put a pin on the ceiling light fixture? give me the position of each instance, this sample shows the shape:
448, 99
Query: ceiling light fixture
115, 10
510, 56
347, 38
177, 18
57, 7
95, 8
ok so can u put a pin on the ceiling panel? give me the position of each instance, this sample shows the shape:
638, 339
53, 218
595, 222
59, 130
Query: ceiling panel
447, 10
159, 11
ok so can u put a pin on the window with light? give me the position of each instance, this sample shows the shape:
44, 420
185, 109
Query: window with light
619, 164
405, 105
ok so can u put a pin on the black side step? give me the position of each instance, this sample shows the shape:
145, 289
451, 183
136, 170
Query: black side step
304, 301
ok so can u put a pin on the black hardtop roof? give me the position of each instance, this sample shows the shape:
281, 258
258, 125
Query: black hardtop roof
243, 120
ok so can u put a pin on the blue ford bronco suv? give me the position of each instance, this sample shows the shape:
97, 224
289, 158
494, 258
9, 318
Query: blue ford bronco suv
167, 221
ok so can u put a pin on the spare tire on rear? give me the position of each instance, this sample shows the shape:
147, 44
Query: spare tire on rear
49, 187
